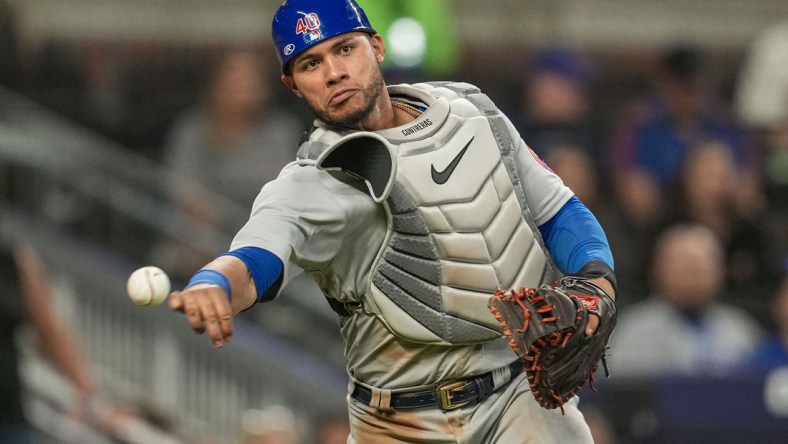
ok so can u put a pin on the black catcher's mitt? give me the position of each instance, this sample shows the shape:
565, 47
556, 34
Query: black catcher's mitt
546, 328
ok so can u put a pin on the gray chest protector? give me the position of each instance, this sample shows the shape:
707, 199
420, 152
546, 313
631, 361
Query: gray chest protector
458, 224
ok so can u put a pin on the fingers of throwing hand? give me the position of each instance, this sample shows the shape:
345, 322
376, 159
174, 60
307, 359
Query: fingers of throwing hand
193, 311
206, 309
217, 318
175, 301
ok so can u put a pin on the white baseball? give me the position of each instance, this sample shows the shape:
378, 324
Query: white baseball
148, 286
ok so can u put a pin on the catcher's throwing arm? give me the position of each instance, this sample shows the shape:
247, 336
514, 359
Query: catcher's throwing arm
545, 327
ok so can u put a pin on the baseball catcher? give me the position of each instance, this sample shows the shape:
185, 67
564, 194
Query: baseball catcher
410, 205
546, 326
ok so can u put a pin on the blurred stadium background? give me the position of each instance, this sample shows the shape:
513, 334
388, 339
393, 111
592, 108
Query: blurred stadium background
83, 118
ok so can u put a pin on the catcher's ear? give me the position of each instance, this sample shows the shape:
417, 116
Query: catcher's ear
287, 79
378, 47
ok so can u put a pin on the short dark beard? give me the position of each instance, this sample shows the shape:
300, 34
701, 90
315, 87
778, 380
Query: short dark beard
352, 120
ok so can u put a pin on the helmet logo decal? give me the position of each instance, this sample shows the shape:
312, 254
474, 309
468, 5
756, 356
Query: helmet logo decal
309, 26
300, 24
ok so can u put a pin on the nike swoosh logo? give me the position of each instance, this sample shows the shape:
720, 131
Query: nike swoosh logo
441, 177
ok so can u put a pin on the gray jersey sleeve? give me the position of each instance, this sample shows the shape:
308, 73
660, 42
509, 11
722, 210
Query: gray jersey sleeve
320, 223
545, 192
298, 217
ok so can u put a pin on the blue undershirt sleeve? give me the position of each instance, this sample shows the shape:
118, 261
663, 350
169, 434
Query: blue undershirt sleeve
575, 238
265, 267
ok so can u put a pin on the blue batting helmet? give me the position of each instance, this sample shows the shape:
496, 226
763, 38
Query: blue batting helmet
300, 24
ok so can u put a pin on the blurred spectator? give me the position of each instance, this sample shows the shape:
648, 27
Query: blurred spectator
10, 64
126, 90
629, 242
683, 328
647, 152
33, 333
25, 301
232, 143
762, 92
713, 193
236, 140
685, 112
773, 352
103, 105
762, 103
555, 107
157, 80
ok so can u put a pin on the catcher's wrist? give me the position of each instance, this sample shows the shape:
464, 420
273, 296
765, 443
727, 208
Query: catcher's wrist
605, 285
211, 277
599, 271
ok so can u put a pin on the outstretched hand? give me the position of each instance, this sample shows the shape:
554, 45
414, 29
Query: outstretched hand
207, 309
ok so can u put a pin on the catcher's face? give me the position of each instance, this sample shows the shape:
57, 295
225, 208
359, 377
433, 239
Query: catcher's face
340, 79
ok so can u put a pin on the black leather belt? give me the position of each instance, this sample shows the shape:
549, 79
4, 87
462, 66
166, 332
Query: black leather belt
446, 396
